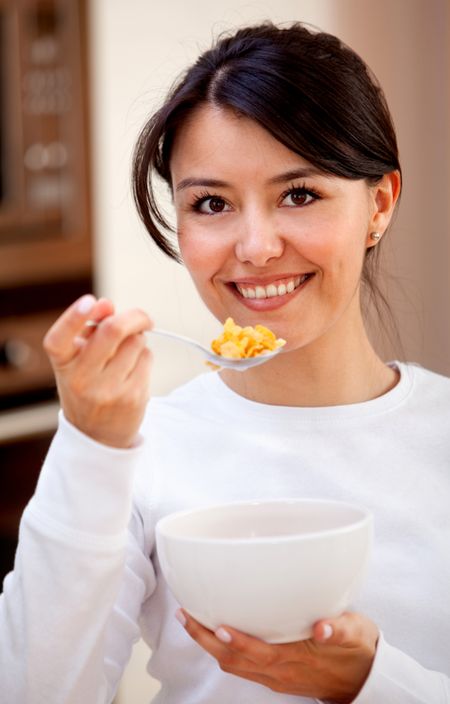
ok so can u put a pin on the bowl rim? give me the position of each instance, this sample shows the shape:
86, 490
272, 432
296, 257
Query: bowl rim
366, 518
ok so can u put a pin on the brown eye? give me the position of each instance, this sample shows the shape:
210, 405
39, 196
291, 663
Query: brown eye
216, 205
297, 197
212, 204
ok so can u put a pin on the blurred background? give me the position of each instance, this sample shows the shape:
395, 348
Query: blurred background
77, 80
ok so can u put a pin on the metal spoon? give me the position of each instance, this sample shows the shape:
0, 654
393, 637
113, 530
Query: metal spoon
217, 360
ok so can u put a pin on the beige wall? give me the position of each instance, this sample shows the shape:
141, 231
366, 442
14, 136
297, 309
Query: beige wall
407, 44
137, 48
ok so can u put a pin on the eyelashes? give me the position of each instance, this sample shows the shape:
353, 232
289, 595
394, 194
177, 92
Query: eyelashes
208, 203
214, 199
301, 192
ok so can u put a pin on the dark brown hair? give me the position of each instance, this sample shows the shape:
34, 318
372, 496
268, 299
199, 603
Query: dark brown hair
308, 89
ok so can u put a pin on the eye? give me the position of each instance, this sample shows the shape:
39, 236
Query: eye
210, 205
298, 197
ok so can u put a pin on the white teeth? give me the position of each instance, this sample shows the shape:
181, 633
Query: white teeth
270, 291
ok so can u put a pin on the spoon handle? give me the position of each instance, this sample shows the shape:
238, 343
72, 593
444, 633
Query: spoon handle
180, 338
163, 333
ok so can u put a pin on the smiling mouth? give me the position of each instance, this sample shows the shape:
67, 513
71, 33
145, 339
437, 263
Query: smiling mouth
272, 290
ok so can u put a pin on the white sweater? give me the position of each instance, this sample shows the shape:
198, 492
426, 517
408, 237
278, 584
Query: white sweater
84, 587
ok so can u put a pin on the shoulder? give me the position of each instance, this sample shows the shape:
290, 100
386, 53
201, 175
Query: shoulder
428, 377
428, 386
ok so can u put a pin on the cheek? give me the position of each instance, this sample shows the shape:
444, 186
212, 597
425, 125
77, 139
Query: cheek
203, 259
337, 251
336, 244
323, 248
201, 254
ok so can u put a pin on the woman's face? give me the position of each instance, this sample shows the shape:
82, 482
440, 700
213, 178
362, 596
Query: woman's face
266, 237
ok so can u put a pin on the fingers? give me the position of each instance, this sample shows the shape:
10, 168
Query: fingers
60, 341
110, 335
231, 647
103, 371
257, 651
129, 372
140, 375
69, 334
204, 637
307, 668
127, 355
348, 630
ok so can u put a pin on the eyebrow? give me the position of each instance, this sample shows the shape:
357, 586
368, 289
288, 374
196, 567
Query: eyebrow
280, 178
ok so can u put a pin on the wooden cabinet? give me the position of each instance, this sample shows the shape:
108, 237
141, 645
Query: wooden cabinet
45, 226
45, 232
44, 166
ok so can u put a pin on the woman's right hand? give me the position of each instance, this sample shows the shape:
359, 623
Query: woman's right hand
102, 373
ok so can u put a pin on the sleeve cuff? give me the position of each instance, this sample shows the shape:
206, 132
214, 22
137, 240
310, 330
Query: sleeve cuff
397, 678
85, 485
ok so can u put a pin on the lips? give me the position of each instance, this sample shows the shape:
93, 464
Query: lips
274, 289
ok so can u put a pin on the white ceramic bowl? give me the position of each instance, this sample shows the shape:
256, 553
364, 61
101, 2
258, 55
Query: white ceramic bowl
267, 568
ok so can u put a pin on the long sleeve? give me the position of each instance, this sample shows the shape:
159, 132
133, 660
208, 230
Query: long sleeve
399, 679
74, 557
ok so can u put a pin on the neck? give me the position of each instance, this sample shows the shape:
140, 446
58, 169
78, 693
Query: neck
337, 369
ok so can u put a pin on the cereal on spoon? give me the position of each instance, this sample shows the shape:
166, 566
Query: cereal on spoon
236, 342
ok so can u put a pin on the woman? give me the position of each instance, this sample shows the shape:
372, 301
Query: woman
281, 157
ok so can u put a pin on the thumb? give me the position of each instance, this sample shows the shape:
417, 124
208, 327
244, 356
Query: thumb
62, 340
348, 631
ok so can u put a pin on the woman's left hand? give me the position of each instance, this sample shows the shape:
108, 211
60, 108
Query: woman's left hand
332, 665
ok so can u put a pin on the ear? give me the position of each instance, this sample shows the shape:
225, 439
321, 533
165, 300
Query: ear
383, 197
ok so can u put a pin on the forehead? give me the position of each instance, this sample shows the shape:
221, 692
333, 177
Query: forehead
220, 138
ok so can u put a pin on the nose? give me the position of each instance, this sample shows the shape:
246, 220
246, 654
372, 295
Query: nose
258, 241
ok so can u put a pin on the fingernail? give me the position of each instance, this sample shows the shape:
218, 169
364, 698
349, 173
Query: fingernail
86, 304
179, 615
223, 635
327, 631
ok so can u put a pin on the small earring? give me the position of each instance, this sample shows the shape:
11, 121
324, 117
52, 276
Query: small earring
375, 236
